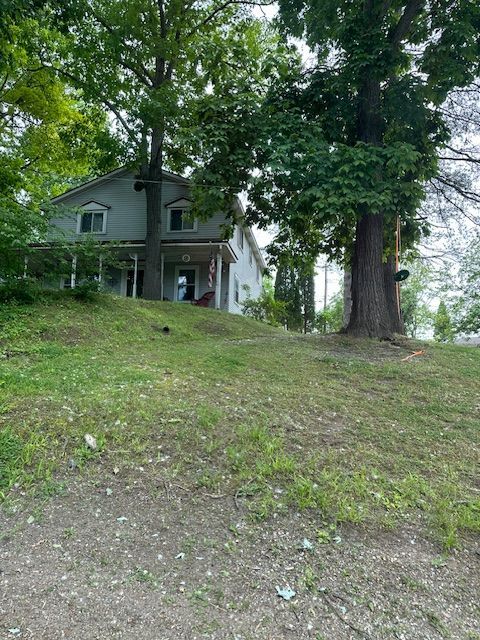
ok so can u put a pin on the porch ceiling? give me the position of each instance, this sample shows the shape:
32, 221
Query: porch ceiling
185, 252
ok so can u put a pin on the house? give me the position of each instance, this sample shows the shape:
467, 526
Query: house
112, 209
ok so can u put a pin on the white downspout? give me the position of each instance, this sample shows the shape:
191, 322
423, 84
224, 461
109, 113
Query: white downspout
218, 280
135, 275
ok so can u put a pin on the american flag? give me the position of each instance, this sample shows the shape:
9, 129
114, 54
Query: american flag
211, 270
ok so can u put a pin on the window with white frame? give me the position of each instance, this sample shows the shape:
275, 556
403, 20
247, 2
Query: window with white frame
236, 289
186, 283
179, 220
259, 271
240, 237
92, 218
250, 255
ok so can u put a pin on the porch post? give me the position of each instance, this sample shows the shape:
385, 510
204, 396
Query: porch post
135, 274
218, 283
25, 267
73, 276
100, 269
162, 269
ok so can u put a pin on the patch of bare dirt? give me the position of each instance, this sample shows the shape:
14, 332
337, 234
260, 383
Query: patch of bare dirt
133, 558
212, 328
69, 336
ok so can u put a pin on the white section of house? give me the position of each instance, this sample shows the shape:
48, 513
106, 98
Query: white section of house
246, 273
112, 209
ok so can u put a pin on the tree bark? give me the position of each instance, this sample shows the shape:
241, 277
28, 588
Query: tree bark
370, 315
152, 285
153, 241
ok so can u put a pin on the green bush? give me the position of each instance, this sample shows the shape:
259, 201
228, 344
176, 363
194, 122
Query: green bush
330, 320
22, 290
85, 291
264, 308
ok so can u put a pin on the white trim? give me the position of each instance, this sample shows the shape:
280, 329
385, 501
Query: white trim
169, 221
179, 203
92, 211
168, 176
88, 185
235, 280
184, 267
240, 234
94, 205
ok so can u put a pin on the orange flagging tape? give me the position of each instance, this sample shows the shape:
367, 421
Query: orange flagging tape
412, 355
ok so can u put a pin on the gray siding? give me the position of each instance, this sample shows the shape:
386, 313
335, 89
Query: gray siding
127, 215
126, 221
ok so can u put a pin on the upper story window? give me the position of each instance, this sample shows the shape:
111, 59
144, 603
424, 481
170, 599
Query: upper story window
178, 218
259, 272
240, 237
179, 221
93, 218
250, 255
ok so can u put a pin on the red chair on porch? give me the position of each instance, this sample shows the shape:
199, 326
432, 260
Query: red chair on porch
204, 301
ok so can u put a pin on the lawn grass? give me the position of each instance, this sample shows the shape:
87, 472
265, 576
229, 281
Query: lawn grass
228, 405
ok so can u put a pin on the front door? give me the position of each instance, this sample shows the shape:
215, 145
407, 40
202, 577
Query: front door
130, 279
186, 283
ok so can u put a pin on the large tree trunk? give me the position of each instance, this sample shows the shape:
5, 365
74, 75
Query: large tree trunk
152, 285
152, 279
369, 315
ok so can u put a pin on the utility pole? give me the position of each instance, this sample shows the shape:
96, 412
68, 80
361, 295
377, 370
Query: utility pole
325, 297
326, 284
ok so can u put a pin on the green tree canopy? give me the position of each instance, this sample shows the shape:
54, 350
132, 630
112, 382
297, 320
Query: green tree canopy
442, 324
344, 148
49, 136
467, 306
148, 63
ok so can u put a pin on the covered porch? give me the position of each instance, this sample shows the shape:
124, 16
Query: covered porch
185, 270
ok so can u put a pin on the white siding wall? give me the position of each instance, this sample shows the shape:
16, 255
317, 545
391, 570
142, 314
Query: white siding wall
246, 273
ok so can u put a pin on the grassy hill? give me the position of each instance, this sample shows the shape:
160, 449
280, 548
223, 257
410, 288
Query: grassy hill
229, 406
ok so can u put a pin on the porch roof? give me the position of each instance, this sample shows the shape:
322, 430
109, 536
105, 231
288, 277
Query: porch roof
196, 249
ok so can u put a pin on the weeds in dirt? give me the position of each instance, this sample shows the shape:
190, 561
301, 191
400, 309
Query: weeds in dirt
332, 424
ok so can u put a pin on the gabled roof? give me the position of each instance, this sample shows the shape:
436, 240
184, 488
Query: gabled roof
93, 205
179, 202
112, 175
168, 176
